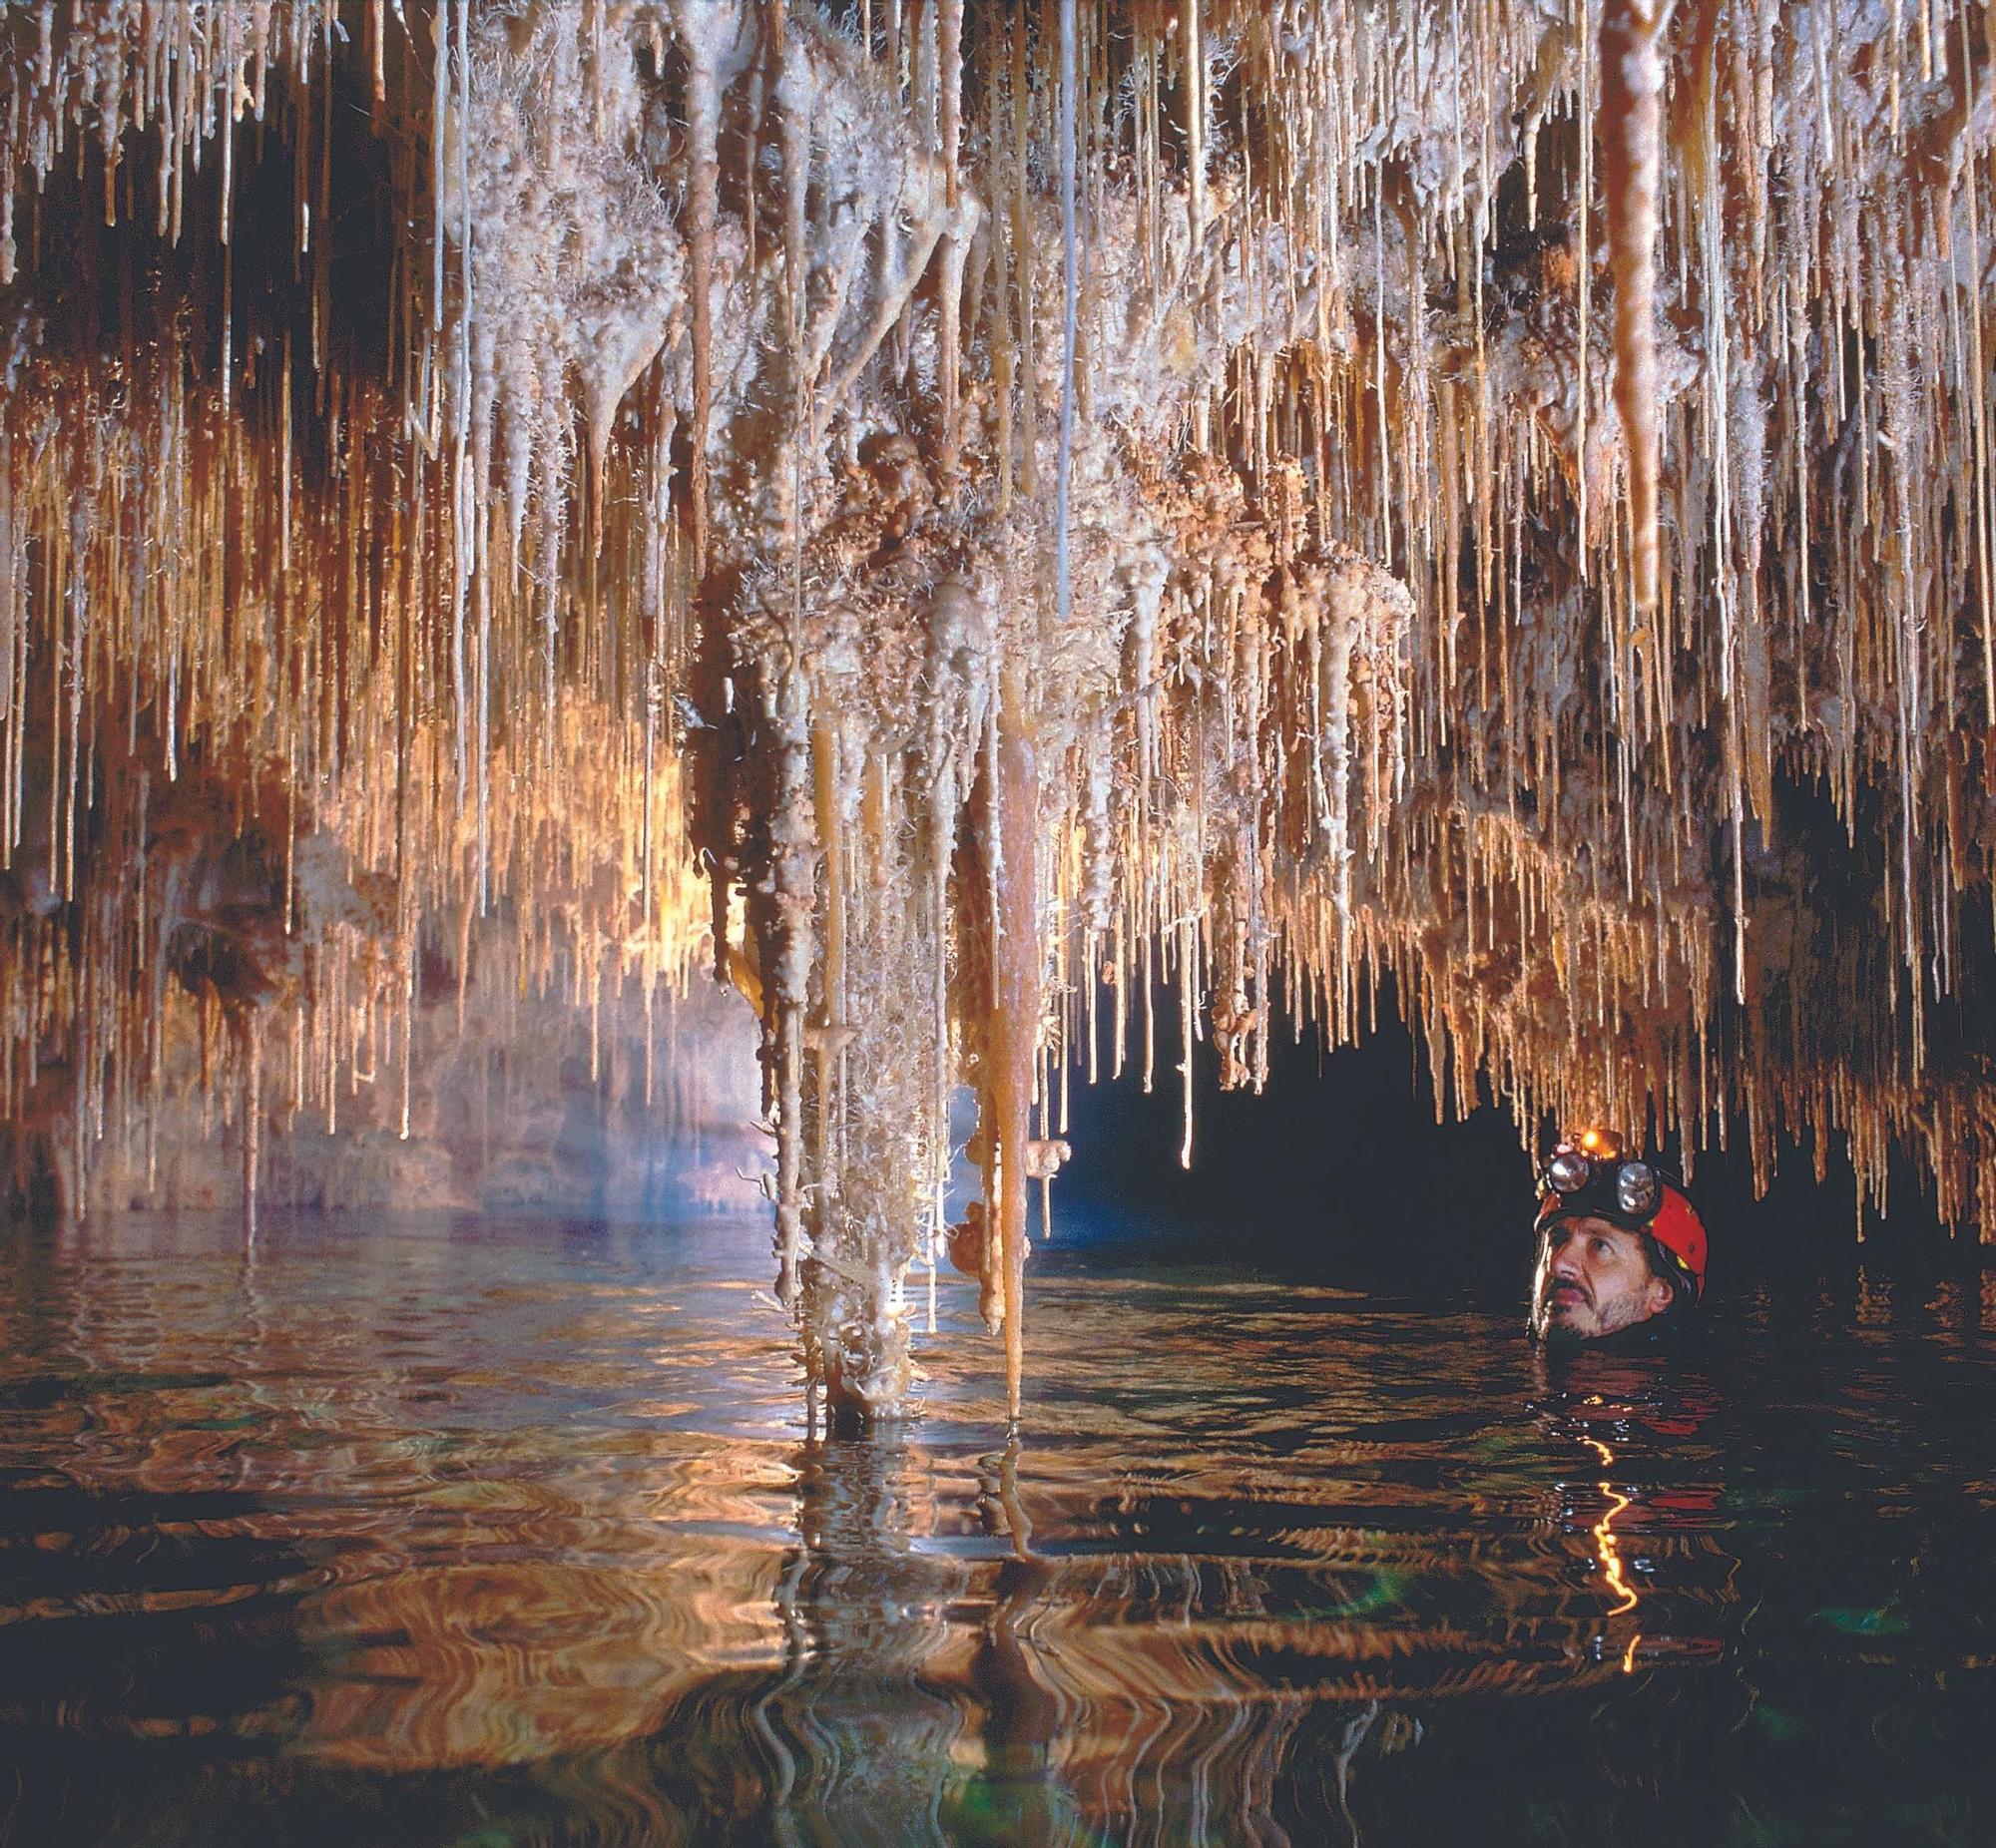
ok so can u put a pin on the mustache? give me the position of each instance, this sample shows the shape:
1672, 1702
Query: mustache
1553, 1286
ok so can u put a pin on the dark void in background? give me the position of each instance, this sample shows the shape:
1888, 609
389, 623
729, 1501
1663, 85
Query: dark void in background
1339, 1171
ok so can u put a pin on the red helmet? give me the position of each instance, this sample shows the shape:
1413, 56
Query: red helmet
1589, 1177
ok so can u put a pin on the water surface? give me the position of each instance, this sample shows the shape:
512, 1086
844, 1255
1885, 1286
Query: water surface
485, 1533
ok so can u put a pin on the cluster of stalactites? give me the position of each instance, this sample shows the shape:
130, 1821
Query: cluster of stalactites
235, 780
180, 78
1489, 512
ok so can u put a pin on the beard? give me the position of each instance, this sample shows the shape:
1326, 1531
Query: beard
1551, 1305
1566, 1316
1557, 1337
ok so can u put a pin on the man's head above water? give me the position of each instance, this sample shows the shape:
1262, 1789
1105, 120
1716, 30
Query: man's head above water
1594, 1278
1618, 1244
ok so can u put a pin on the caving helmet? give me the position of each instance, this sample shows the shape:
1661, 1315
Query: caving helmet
1592, 1176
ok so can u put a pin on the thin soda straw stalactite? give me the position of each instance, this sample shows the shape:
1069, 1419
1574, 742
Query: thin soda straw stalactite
1070, 319
702, 28
1630, 121
949, 53
1015, 1002
1584, 270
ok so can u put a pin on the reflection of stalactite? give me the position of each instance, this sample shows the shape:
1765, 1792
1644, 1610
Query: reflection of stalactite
867, 1609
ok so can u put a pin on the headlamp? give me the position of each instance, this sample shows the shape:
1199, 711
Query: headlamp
1568, 1171
1637, 1191
1594, 1160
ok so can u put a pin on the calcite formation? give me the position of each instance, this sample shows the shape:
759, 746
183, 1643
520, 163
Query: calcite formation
964, 520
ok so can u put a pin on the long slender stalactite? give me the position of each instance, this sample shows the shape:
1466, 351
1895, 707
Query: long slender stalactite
514, 508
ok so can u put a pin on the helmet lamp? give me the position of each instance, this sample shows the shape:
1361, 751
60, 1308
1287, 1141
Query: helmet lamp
1568, 1171
1637, 1190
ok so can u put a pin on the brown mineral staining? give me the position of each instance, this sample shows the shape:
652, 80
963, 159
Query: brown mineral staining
559, 497
968, 1241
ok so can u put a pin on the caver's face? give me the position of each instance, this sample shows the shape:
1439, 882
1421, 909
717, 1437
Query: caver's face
1593, 1278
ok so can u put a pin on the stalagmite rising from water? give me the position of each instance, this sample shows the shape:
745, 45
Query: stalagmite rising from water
517, 507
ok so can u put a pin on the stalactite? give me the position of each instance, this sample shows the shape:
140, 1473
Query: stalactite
1070, 316
1015, 1005
1630, 120
955, 250
253, 1116
704, 30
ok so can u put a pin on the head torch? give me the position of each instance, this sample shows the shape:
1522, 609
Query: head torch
1594, 1163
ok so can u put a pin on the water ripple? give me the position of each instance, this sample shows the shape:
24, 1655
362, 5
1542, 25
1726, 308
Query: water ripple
465, 1535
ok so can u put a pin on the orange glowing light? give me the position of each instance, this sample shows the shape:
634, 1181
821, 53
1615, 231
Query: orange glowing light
1611, 1551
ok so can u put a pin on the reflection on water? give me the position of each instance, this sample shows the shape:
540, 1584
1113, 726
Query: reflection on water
487, 1534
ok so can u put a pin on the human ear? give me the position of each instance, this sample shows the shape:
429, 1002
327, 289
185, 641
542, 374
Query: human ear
1660, 1295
